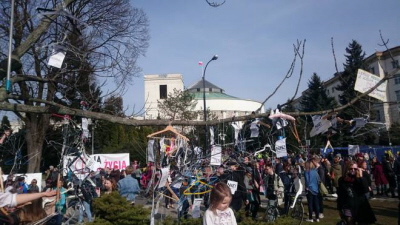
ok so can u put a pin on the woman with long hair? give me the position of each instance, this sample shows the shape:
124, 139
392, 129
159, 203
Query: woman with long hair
109, 185
352, 203
31, 212
312, 187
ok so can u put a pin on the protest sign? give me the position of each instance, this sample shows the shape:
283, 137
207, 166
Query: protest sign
216, 156
280, 148
366, 81
164, 177
233, 185
96, 162
57, 57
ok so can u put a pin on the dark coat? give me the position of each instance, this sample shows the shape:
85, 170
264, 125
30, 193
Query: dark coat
241, 193
351, 196
379, 177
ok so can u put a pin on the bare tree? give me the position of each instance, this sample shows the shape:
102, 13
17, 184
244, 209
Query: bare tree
179, 105
102, 41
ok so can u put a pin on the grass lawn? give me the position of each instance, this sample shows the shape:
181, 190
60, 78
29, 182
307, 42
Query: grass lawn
385, 212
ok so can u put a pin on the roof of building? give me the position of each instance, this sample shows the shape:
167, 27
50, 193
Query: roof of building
212, 95
199, 84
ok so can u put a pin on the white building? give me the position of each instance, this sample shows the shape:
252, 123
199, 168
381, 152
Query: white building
379, 63
157, 87
221, 104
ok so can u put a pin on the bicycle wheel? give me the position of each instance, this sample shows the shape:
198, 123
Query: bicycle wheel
270, 214
296, 214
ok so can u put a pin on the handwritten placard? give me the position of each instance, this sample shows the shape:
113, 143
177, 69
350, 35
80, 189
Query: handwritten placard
216, 156
280, 148
366, 81
233, 185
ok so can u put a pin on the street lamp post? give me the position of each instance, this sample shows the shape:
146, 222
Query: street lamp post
215, 57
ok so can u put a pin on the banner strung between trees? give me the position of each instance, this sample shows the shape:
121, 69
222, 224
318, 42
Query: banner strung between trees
100, 161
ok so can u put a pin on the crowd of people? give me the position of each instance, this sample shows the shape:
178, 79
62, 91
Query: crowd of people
350, 179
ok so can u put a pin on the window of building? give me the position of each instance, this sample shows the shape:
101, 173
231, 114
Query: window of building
397, 79
397, 95
378, 115
327, 92
372, 70
333, 90
210, 89
395, 64
198, 89
163, 91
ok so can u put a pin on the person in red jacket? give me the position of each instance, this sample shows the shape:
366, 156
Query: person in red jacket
380, 179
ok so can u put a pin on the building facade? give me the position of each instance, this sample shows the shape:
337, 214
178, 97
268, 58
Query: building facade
380, 64
157, 87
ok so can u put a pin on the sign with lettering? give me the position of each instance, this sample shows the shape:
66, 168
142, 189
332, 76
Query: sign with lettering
233, 185
366, 81
320, 125
280, 148
96, 162
216, 156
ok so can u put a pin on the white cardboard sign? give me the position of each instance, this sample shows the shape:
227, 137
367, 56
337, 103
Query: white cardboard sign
216, 156
280, 148
233, 185
366, 81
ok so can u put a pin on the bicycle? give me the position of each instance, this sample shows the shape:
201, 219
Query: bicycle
272, 212
295, 209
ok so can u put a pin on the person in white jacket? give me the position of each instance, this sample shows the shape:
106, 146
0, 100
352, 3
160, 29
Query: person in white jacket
219, 212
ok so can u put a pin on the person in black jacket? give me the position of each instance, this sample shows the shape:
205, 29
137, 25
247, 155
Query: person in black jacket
352, 203
389, 174
237, 174
396, 169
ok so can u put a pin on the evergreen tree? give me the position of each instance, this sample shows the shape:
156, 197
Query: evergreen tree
315, 97
354, 61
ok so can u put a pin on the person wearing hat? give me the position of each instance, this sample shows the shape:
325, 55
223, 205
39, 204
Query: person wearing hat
336, 171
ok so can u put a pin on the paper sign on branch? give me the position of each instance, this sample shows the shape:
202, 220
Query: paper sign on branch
57, 57
365, 81
233, 185
164, 177
280, 148
216, 156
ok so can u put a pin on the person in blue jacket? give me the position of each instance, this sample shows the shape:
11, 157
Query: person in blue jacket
312, 187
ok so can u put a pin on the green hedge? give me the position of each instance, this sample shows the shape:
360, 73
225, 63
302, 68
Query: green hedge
113, 209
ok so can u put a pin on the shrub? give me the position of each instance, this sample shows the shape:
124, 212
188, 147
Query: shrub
114, 209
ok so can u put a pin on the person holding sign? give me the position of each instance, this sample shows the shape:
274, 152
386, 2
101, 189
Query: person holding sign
236, 176
219, 212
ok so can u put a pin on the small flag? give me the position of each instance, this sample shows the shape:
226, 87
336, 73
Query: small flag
200, 63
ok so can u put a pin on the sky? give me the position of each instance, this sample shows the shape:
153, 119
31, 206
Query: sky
254, 41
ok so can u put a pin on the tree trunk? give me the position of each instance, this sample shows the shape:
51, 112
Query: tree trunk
36, 127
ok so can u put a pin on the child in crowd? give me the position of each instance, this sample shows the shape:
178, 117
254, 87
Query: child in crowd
219, 212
